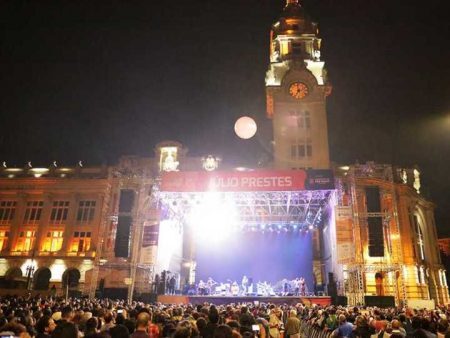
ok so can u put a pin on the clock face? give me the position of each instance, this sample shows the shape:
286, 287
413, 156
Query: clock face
298, 90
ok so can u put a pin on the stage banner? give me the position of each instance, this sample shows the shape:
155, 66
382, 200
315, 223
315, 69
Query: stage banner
344, 234
149, 244
319, 179
235, 181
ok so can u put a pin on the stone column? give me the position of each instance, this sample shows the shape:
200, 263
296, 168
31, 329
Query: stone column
42, 229
17, 221
70, 223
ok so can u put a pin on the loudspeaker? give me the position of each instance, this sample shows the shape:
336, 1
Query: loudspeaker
122, 243
115, 293
101, 285
126, 200
341, 300
376, 238
373, 199
147, 297
379, 301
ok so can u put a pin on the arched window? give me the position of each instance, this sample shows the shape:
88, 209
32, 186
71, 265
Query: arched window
419, 239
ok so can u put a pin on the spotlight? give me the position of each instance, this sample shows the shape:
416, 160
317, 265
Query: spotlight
311, 227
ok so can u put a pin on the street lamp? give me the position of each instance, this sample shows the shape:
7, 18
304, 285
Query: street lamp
30, 271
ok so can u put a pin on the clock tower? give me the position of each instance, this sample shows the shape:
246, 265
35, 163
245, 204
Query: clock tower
296, 89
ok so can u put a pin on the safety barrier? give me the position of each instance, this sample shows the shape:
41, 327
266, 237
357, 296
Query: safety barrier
310, 331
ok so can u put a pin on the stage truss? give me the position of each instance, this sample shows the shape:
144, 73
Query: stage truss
264, 211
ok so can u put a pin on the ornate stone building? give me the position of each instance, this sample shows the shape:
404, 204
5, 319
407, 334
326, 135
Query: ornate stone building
50, 224
97, 228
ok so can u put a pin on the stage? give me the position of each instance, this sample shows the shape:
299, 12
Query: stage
222, 300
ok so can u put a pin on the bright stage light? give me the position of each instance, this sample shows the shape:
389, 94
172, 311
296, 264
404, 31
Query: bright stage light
214, 218
170, 244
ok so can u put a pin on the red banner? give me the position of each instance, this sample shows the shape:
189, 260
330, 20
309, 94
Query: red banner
231, 181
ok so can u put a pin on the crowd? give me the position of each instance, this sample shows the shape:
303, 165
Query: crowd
93, 318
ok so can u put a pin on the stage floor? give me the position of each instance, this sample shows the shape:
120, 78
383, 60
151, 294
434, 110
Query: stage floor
222, 300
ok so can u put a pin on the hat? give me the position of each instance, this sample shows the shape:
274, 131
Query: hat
56, 316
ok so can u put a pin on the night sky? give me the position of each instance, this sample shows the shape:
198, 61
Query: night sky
94, 80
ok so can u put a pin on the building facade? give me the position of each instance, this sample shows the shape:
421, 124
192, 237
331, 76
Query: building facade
96, 229
51, 224
385, 236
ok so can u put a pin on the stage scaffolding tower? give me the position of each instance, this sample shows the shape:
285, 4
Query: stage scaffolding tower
358, 177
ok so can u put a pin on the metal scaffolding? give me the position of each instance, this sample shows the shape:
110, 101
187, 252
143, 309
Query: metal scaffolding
358, 177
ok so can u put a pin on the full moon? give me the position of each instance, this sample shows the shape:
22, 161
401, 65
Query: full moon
245, 127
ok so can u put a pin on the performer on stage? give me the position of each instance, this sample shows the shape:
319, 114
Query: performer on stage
172, 284
244, 284
201, 288
209, 285
296, 284
235, 289
302, 286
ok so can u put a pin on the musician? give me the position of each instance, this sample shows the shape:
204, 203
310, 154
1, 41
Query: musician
209, 285
296, 283
201, 288
235, 289
172, 283
244, 284
302, 286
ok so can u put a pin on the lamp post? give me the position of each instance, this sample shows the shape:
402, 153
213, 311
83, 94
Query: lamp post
30, 271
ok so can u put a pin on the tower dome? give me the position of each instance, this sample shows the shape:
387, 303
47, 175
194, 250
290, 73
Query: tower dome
293, 9
295, 20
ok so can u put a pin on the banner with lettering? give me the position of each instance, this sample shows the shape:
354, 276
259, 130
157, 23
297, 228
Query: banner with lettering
235, 181
149, 244
344, 234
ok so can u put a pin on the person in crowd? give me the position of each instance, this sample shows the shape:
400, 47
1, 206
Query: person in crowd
246, 320
345, 329
67, 314
442, 327
142, 323
212, 324
47, 317
275, 322
65, 329
397, 328
109, 322
119, 331
90, 328
362, 328
292, 325
45, 326
223, 331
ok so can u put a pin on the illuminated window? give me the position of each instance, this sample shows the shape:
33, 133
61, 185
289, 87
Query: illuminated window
59, 211
3, 239
168, 160
7, 211
419, 275
81, 241
33, 212
53, 241
26, 240
302, 119
284, 48
419, 234
86, 210
301, 150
